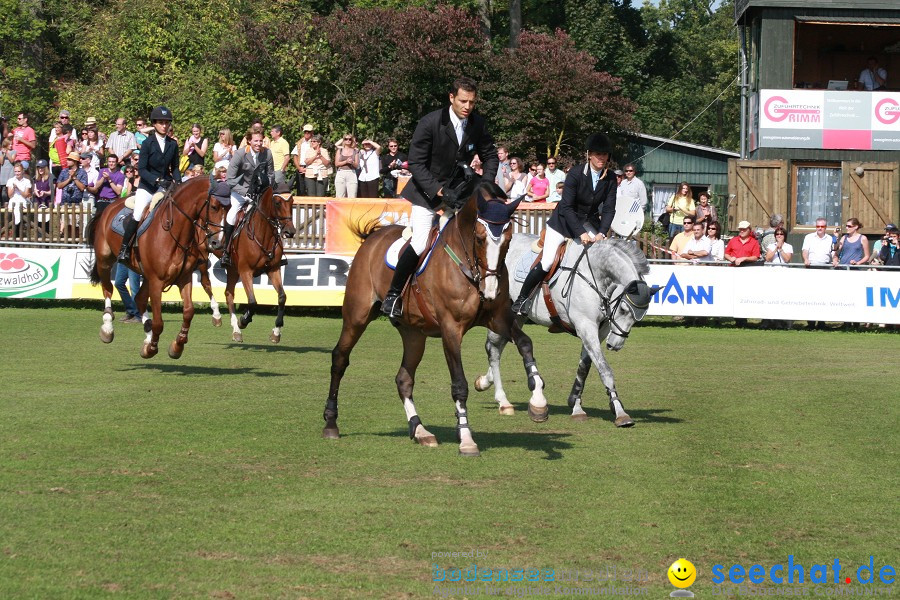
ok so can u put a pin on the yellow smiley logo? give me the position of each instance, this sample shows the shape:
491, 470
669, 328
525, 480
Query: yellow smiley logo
682, 573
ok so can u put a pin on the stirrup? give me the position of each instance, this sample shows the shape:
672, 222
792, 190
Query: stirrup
226, 259
124, 256
392, 306
518, 307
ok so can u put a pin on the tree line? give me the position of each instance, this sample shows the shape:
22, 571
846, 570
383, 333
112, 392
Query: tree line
550, 72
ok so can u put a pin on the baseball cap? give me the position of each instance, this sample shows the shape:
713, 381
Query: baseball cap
308, 127
87, 155
41, 163
891, 228
619, 173
744, 225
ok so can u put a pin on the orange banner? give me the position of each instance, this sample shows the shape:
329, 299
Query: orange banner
344, 217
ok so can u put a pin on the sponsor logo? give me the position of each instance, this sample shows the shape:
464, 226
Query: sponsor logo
883, 297
888, 111
795, 572
778, 109
20, 277
674, 293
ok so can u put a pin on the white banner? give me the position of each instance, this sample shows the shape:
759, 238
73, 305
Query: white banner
776, 293
315, 279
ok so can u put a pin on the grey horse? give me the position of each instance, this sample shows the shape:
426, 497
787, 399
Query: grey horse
600, 292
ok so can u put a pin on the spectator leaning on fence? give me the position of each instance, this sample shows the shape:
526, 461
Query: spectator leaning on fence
853, 247
698, 249
716, 243
742, 249
818, 246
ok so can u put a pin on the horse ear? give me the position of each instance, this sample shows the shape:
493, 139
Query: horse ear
482, 202
512, 206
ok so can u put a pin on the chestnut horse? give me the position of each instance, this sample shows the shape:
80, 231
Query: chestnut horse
464, 285
256, 248
185, 223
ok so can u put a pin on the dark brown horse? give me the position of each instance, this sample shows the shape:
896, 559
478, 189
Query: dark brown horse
256, 248
464, 285
168, 252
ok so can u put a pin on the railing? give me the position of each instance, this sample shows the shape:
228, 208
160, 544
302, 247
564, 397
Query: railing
65, 225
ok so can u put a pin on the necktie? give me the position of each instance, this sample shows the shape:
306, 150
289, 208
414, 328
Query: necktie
460, 130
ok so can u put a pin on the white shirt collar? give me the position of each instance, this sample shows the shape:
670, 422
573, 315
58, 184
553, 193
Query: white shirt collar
455, 119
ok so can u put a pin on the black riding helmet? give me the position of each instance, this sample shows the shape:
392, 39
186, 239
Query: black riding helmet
161, 113
598, 142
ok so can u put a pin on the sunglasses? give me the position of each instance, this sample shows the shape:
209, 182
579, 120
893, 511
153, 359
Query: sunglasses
550, 162
849, 225
629, 170
821, 226
777, 233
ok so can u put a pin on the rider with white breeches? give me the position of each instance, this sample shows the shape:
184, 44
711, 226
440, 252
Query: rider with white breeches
158, 165
241, 169
585, 212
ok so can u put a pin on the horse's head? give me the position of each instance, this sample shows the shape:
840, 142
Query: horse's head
628, 305
283, 214
492, 233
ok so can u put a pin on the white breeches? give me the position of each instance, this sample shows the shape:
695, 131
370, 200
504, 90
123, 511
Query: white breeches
237, 201
420, 219
141, 201
552, 241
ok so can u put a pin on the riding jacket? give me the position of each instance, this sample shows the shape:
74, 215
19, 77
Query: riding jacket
158, 163
242, 166
581, 204
434, 154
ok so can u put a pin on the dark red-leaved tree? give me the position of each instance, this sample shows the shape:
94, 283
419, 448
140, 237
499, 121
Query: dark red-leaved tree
546, 96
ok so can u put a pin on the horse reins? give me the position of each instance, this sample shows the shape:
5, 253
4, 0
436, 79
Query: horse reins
195, 243
276, 223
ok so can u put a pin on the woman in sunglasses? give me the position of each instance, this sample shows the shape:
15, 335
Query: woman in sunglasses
346, 159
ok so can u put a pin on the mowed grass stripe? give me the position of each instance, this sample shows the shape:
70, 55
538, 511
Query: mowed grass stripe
749, 446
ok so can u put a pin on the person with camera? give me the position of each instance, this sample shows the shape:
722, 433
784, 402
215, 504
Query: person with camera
890, 246
585, 213
158, 168
442, 148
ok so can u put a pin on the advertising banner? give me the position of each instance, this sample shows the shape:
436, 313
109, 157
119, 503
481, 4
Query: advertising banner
831, 120
313, 279
345, 217
776, 293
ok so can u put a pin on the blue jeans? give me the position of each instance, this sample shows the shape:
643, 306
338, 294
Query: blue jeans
675, 230
134, 282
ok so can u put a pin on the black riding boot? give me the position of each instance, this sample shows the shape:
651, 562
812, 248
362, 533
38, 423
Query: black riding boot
392, 305
535, 276
226, 251
131, 227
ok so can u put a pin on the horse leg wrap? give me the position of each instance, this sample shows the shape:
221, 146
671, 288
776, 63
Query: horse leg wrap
331, 410
461, 426
532, 372
148, 325
413, 423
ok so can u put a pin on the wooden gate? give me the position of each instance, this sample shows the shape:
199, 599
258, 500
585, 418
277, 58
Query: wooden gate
756, 190
870, 192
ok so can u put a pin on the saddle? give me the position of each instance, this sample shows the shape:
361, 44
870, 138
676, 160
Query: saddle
118, 221
558, 325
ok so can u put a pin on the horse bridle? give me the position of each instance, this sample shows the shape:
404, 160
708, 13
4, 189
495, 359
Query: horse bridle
631, 293
472, 269
276, 223
195, 242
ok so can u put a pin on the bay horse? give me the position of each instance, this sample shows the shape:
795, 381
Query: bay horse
256, 248
184, 225
599, 293
464, 285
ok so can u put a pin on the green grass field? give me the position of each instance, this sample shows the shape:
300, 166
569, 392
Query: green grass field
207, 477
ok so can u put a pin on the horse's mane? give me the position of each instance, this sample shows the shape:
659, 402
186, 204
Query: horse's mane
623, 247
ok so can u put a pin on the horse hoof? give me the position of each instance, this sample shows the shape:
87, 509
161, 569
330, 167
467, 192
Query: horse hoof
538, 415
427, 440
107, 338
274, 338
580, 417
242, 324
217, 322
624, 421
329, 433
469, 450
175, 351
482, 383
237, 336
508, 410
148, 351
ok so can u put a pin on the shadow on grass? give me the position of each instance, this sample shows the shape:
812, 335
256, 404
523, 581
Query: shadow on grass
648, 415
272, 347
550, 443
188, 370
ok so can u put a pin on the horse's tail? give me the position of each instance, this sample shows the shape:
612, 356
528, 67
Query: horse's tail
362, 228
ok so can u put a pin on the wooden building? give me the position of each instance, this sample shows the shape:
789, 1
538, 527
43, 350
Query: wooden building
662, 164
815, 141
